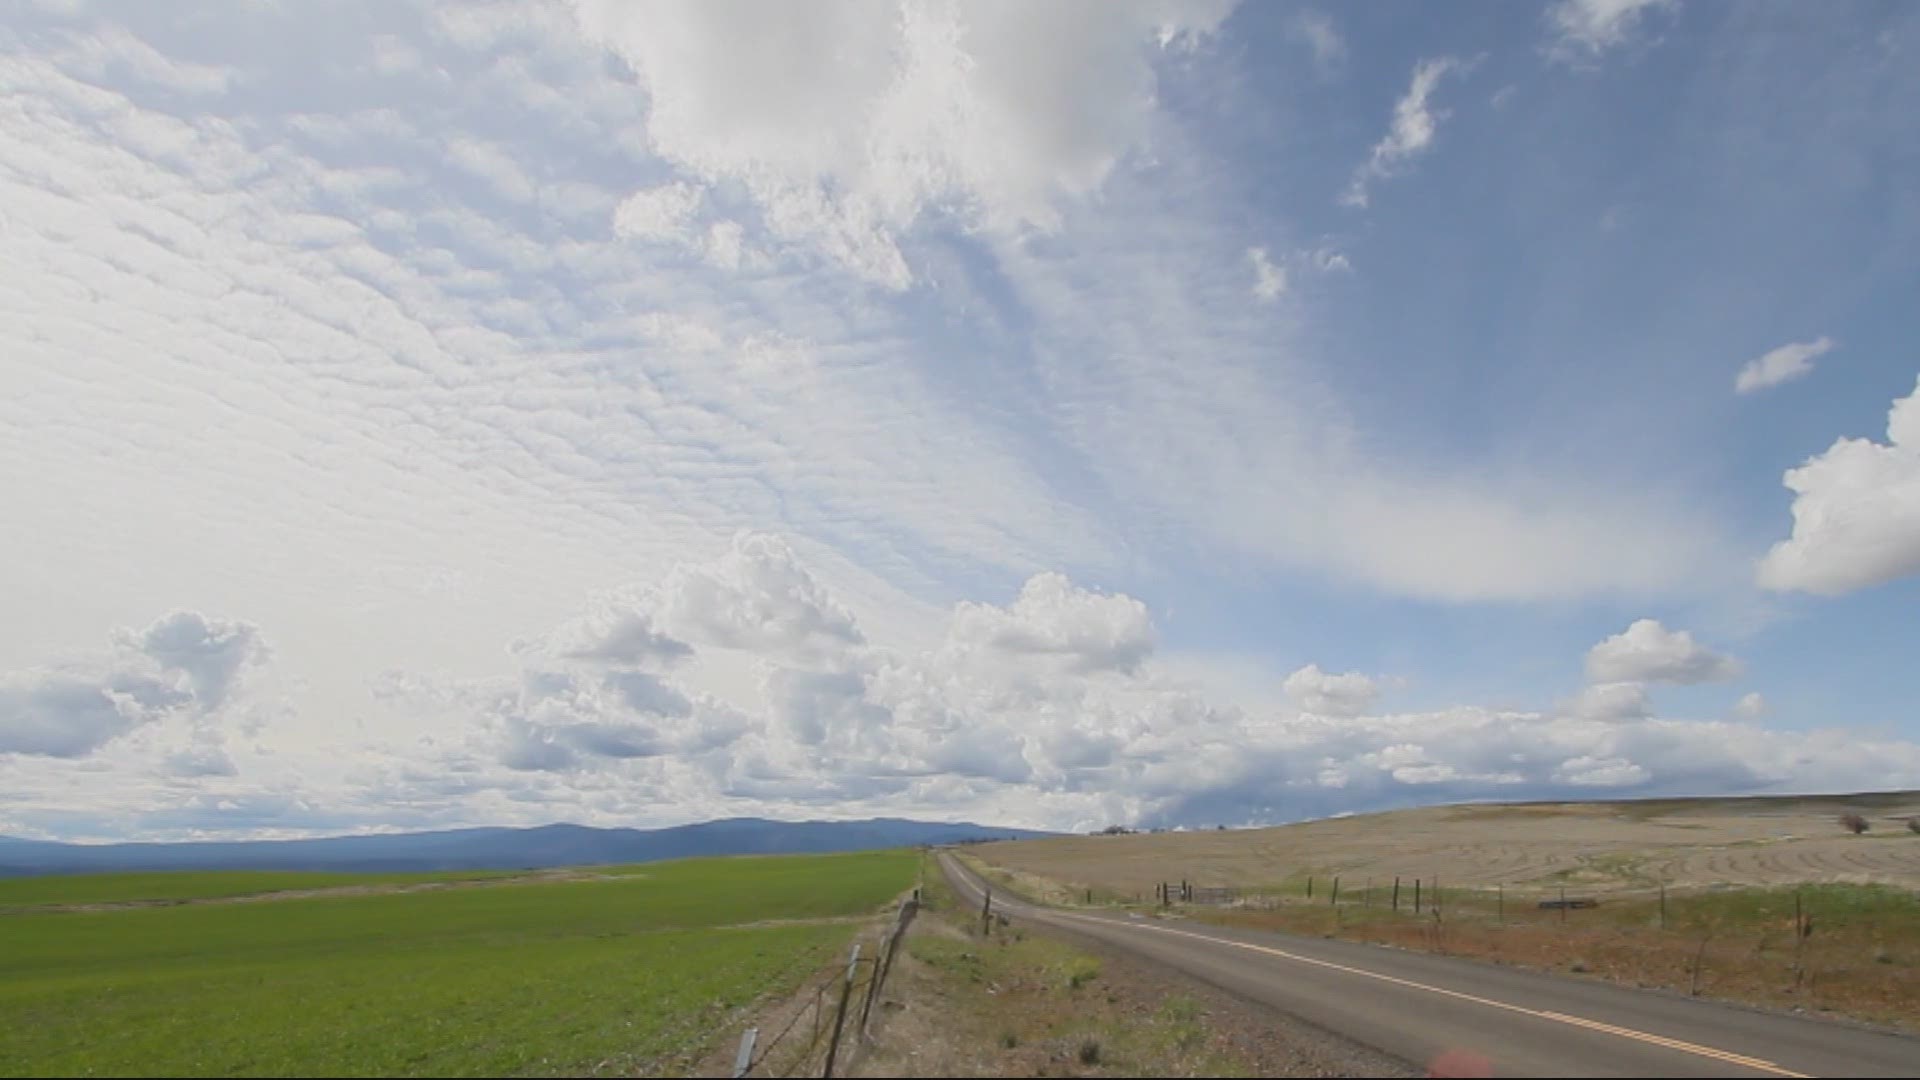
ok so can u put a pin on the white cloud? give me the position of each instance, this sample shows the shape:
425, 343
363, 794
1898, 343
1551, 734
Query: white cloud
495, 167
1583, 29
1326, 694
659, 213
212, 652
1784, 364
1328, 260
757, 597
845, 127
1411, 133
182, 665
1053, 617
1856, 512
1316, 29
1610, 701
1648, 652
1751, 706
1269, 281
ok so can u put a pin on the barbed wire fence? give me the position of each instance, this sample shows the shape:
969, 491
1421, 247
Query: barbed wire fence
835, 1007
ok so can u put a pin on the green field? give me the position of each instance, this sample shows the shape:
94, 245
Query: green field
520, 977
74, 889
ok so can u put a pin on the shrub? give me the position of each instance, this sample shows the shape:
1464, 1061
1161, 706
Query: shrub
1913, 824
1853, 823
1089, 1051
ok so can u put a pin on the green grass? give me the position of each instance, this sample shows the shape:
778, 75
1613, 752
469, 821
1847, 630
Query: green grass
203, 885
520, 978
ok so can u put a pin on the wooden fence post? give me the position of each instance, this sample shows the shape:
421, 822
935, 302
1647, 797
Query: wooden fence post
1334, 896
1396, 892
986, 914
840, 1018
1309, 886
744, 1059
1416, 896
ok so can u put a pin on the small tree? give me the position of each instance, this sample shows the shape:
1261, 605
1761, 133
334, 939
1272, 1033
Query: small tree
1913, 824
1853, 823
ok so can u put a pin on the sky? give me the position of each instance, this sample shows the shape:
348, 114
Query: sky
1161, 413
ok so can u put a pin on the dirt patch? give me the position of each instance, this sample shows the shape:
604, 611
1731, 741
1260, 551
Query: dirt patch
329, 891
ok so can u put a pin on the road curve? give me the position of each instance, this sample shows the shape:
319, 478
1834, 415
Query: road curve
1418, 1007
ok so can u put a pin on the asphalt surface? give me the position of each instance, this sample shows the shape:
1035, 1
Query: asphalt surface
1465, 1018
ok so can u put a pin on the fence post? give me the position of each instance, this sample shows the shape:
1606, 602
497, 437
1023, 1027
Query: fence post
986, 914
1366, 894
840, 1018
1309, 886
1334, 896
885, 964
1500, 902
1663, 905
1436, 897
1416, 896
744, 1059
1396, 892
1563, 903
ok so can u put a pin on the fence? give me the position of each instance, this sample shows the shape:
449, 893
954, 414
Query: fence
825, 1012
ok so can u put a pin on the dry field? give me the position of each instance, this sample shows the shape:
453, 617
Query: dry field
1595, 848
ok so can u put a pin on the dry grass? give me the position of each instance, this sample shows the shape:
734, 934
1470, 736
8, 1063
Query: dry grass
1730, 870
1859, 958
1019, 1003
1597, 847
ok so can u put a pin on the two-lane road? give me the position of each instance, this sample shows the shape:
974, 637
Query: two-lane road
1416, 1006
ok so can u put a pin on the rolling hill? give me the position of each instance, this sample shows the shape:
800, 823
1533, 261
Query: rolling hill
494, 848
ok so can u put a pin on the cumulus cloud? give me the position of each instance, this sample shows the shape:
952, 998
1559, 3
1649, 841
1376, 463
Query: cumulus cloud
182, 664
1583, 29
1750, 706
1411, 133
1053, 617
1611, 701
1327, 694
617, 630
1784, 364
758, 597
212, 652
1856, 512
845, 125
1649, 652
1269, 281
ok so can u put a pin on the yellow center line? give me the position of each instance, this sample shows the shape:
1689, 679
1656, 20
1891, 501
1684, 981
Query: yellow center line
1559, 1018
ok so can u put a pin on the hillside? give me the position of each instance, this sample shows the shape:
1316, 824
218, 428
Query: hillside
1597, 846
494, 848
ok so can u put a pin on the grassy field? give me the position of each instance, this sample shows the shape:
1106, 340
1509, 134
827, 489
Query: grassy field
77, 889
634, 971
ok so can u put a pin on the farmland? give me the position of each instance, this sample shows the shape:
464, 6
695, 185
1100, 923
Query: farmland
1763, 900
1595, 847
621, 970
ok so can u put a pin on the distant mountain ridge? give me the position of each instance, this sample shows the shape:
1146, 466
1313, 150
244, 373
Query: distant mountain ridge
495, 848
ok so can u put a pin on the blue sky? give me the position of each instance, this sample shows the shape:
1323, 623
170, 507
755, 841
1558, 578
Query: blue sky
1173, 413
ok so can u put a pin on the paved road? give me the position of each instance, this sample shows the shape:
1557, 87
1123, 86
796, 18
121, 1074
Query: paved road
1416, 1007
